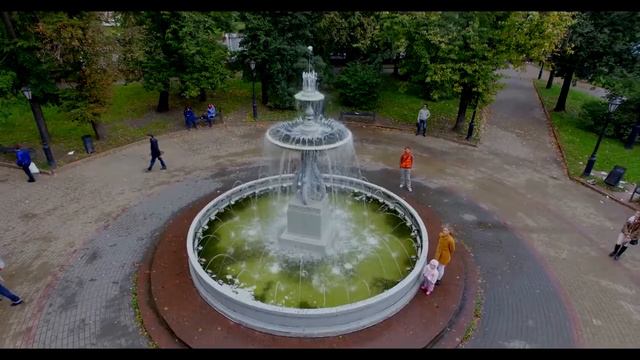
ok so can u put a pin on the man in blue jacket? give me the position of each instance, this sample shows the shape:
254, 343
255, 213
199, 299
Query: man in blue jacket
155, 153
23, 159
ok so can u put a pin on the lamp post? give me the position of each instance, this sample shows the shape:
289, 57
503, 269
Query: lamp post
613, 105
42, 126
472, 123
252, 64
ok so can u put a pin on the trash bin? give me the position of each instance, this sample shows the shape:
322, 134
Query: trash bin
88, 144
614, 177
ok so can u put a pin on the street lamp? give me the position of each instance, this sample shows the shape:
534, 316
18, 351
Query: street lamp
613, 105
42, 126
472, 123
252, 64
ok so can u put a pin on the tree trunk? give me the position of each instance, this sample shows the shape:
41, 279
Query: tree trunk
7, 24
265, 94
163, 101
566, 84
98, 129
552, 74
465, 99
203, 95
396, 61
541, 69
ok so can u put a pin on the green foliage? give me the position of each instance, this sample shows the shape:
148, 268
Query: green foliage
598, 43
450, 52
22, 59
7, 81
358, 86
182, 45
276, 41
83, 53
540, 33
358, 34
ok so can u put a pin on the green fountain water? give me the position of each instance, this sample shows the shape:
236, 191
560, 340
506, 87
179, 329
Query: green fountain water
374, 249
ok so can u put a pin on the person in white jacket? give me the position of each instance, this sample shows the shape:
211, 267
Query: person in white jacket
15, 300
430, 276
421, 124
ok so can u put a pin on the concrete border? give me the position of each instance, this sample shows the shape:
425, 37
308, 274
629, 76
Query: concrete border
13, 166
305, 322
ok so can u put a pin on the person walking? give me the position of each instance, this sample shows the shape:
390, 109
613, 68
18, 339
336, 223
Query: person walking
430, 276
444, 251
628, 235
421, 124
23, 159
155, 153
15, 299
406, 163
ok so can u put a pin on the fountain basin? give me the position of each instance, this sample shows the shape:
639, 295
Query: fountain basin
303, 322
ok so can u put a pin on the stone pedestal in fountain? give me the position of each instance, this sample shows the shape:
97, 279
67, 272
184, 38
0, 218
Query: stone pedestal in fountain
308, 227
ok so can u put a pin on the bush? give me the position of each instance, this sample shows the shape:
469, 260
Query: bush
595, 113
359, 85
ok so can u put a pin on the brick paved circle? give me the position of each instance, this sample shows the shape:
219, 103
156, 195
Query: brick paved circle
174, 299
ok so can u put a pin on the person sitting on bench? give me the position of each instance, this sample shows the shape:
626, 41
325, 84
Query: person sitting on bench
210, 115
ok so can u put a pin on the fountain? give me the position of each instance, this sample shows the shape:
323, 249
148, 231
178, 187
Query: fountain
311, 249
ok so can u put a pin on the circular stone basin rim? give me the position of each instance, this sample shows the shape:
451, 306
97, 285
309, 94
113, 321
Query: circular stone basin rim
285, 180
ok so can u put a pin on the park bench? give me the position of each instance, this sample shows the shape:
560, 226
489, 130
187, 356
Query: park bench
202, 119
359, 116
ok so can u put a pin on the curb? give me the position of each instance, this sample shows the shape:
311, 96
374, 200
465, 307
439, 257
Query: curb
13, 166
564, 159
400, 128
446, 337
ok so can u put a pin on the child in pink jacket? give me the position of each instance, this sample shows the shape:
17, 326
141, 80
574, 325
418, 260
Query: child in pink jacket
430, 276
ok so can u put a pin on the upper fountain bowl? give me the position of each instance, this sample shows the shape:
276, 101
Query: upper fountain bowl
317, 134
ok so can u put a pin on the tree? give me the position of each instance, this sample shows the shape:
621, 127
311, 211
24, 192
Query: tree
277, 41
21, 59
181, 45
596, 44
83, 50
459, 53
358, 34
393, 30
359, 85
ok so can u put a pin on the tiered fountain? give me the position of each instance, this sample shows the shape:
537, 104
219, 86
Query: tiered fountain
313, 249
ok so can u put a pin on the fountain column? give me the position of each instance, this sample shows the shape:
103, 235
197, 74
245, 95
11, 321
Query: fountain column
308, 217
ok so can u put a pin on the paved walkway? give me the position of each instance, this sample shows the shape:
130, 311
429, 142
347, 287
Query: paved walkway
72, 241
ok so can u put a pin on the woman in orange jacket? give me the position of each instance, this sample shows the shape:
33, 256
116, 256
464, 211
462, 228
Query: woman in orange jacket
444, 250
406, 163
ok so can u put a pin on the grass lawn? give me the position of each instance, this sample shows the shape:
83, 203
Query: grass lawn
578, 143
18, 126
132, 115
400, 103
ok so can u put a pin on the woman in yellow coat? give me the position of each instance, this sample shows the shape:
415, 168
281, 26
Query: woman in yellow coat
444, 251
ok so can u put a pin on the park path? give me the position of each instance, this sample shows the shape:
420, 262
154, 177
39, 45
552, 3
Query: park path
72, 241
516, 173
